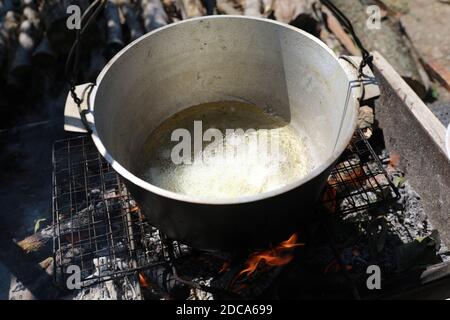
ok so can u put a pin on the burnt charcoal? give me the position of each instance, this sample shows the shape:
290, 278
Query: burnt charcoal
163, 277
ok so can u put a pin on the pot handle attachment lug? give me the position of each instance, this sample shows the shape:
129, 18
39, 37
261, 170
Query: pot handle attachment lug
368, 84
79, 119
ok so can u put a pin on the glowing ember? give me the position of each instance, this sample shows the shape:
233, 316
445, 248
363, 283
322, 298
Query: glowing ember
134, 209
347, 173
280, 255
143, 280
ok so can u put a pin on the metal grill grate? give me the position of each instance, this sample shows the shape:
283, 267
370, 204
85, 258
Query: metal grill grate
359, 181
99, 228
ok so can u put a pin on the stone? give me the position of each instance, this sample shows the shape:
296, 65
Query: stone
366, 117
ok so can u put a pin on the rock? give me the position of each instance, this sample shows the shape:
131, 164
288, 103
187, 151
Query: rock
366, 117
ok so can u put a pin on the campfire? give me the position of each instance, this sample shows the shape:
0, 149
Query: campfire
280, 255
346, 235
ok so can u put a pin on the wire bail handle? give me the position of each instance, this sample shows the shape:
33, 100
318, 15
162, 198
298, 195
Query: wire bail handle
73, 58
367, 58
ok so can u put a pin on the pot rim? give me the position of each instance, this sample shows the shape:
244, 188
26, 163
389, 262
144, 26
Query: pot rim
229, 201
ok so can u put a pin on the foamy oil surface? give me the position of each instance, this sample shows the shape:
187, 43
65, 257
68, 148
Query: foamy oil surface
256, 152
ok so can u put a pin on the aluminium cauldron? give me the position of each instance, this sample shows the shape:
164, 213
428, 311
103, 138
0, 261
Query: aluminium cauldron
223, 58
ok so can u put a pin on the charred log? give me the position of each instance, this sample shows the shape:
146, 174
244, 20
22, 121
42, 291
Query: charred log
27, 42
54, 15
172, 9
133, 23
153, 14
7, 10
8, 33
96, 63
5, 6
210, 6
44, 56
3, 46
30, 34
114, 36
163, 277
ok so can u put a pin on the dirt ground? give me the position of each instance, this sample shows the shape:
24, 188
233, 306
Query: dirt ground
427, 23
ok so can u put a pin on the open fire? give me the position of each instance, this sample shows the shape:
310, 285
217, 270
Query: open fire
348, 234
143, 282
280, 255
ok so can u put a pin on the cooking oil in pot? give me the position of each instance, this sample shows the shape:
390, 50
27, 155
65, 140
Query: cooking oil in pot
225, 150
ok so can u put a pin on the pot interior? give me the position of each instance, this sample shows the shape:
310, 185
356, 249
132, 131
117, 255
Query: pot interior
225, 150
277, 68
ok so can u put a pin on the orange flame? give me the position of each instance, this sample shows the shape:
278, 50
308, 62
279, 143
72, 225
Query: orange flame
278, 256
143, 280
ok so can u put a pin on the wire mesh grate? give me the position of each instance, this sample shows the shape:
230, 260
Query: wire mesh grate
99, 228
359, 181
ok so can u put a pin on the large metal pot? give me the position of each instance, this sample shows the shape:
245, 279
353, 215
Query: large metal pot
222, 58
